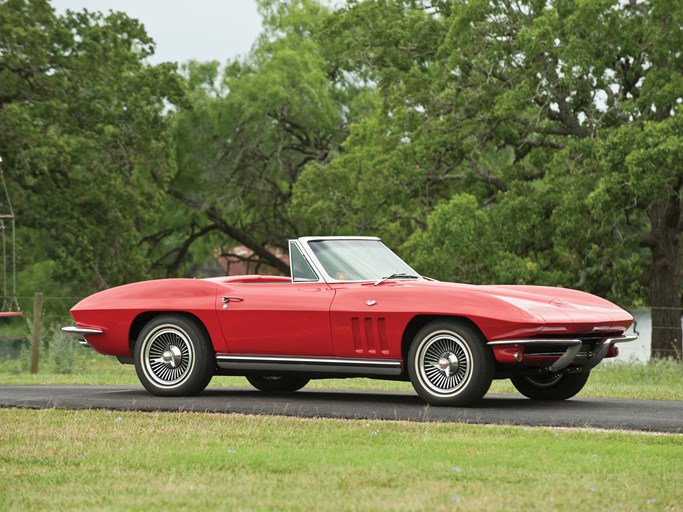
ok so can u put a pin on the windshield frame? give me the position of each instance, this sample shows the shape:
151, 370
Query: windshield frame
294, 245
307, 249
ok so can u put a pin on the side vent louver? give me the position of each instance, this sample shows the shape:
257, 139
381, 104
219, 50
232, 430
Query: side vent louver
371, 338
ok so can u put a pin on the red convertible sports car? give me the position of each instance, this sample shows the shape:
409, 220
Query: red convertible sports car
353, 308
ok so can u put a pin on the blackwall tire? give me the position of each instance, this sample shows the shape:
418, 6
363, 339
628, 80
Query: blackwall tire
449, 363
550, 386
174, 356
277, 384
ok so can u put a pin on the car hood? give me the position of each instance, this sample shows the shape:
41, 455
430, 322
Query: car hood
556, 304
548, 304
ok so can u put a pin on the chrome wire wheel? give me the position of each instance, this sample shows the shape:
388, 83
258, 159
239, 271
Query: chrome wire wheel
449, 363
168, 356
174, 356
444, 363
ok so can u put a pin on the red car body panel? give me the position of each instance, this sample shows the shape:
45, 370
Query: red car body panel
274, 318
114, 310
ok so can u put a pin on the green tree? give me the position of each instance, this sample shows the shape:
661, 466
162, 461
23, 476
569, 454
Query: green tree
561, 118
384, 180
251, 129
85, 139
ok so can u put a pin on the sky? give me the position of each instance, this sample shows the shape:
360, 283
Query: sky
186, 29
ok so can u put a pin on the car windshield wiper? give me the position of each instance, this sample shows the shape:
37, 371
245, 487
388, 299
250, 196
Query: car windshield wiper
394, 276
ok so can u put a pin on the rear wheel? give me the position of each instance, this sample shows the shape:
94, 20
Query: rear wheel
449, 363
277, 384
174, 356
550, 386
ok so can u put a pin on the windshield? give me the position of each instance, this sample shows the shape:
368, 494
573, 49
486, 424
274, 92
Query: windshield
359, 260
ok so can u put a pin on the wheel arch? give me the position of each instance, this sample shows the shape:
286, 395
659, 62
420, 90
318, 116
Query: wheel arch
419, 321
144, 318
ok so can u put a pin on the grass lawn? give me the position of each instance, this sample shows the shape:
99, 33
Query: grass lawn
102, 460
53, 459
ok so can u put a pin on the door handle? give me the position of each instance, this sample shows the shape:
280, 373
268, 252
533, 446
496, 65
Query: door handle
231, 299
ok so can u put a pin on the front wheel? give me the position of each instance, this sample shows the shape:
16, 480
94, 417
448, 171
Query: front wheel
174, 356
550, 386
277, 384
449, 363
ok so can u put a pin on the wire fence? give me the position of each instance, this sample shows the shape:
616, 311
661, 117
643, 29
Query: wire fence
16, 332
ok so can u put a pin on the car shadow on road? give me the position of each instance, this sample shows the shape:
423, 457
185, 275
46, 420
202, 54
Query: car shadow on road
404, 398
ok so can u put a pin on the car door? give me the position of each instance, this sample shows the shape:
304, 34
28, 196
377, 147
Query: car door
368, 321
279, 318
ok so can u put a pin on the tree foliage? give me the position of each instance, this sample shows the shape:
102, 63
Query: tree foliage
84, 135
562, 120
250, 131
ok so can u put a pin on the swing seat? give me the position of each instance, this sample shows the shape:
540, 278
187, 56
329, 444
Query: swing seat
9, 314
6, 212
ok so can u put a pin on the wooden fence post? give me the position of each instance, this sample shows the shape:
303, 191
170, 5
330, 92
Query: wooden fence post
37, 319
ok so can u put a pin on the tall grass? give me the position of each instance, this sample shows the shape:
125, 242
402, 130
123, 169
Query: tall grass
60, 354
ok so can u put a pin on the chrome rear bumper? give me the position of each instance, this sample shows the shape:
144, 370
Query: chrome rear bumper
81, 332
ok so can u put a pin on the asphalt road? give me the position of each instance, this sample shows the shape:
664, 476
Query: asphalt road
643, 415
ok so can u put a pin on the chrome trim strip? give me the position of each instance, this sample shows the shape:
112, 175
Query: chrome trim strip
306, 239
312, 360
601, 348
537, 341
81, 331
622, 339
310, 364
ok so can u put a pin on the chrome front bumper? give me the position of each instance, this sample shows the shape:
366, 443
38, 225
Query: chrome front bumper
572, 349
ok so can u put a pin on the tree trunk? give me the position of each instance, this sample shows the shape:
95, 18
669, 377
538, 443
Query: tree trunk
243, 237
665, 277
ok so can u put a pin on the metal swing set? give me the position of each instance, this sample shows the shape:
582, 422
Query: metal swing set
10, 305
